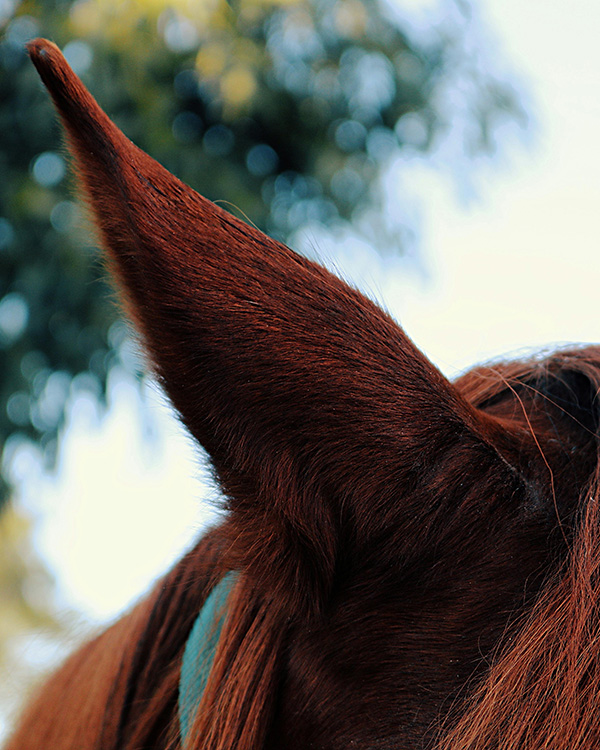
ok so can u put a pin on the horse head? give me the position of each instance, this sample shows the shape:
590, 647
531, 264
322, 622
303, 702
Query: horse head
416, 559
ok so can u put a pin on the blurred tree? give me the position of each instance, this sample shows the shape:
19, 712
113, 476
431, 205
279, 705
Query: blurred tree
290, 109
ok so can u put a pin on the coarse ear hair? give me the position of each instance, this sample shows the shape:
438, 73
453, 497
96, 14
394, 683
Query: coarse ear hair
320, 415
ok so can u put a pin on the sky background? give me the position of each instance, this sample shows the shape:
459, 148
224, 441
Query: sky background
509, 264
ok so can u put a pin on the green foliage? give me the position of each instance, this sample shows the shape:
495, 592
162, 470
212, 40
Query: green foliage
289, 110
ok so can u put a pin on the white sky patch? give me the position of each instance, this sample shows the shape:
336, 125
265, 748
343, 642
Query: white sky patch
517, 268
122, 507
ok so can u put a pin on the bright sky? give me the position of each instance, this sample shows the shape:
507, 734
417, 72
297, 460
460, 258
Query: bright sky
520, 267
515, 268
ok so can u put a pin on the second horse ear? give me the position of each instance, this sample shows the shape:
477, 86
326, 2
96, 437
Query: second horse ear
323, 420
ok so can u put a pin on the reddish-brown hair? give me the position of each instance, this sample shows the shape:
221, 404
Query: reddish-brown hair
418, 559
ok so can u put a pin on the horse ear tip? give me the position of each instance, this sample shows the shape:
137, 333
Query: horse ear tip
48, 60
40, 49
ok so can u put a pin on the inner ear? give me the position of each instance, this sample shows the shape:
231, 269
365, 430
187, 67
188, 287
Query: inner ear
573, 394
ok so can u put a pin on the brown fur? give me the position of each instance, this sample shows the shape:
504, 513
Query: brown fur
418, 559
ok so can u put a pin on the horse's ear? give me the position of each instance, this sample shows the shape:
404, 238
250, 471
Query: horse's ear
320, 415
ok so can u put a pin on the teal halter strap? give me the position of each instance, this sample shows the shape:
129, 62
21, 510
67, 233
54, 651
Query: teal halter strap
200, 649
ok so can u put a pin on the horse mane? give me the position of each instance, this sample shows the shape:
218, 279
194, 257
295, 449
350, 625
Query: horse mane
123, 685
542, 689
417, 559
